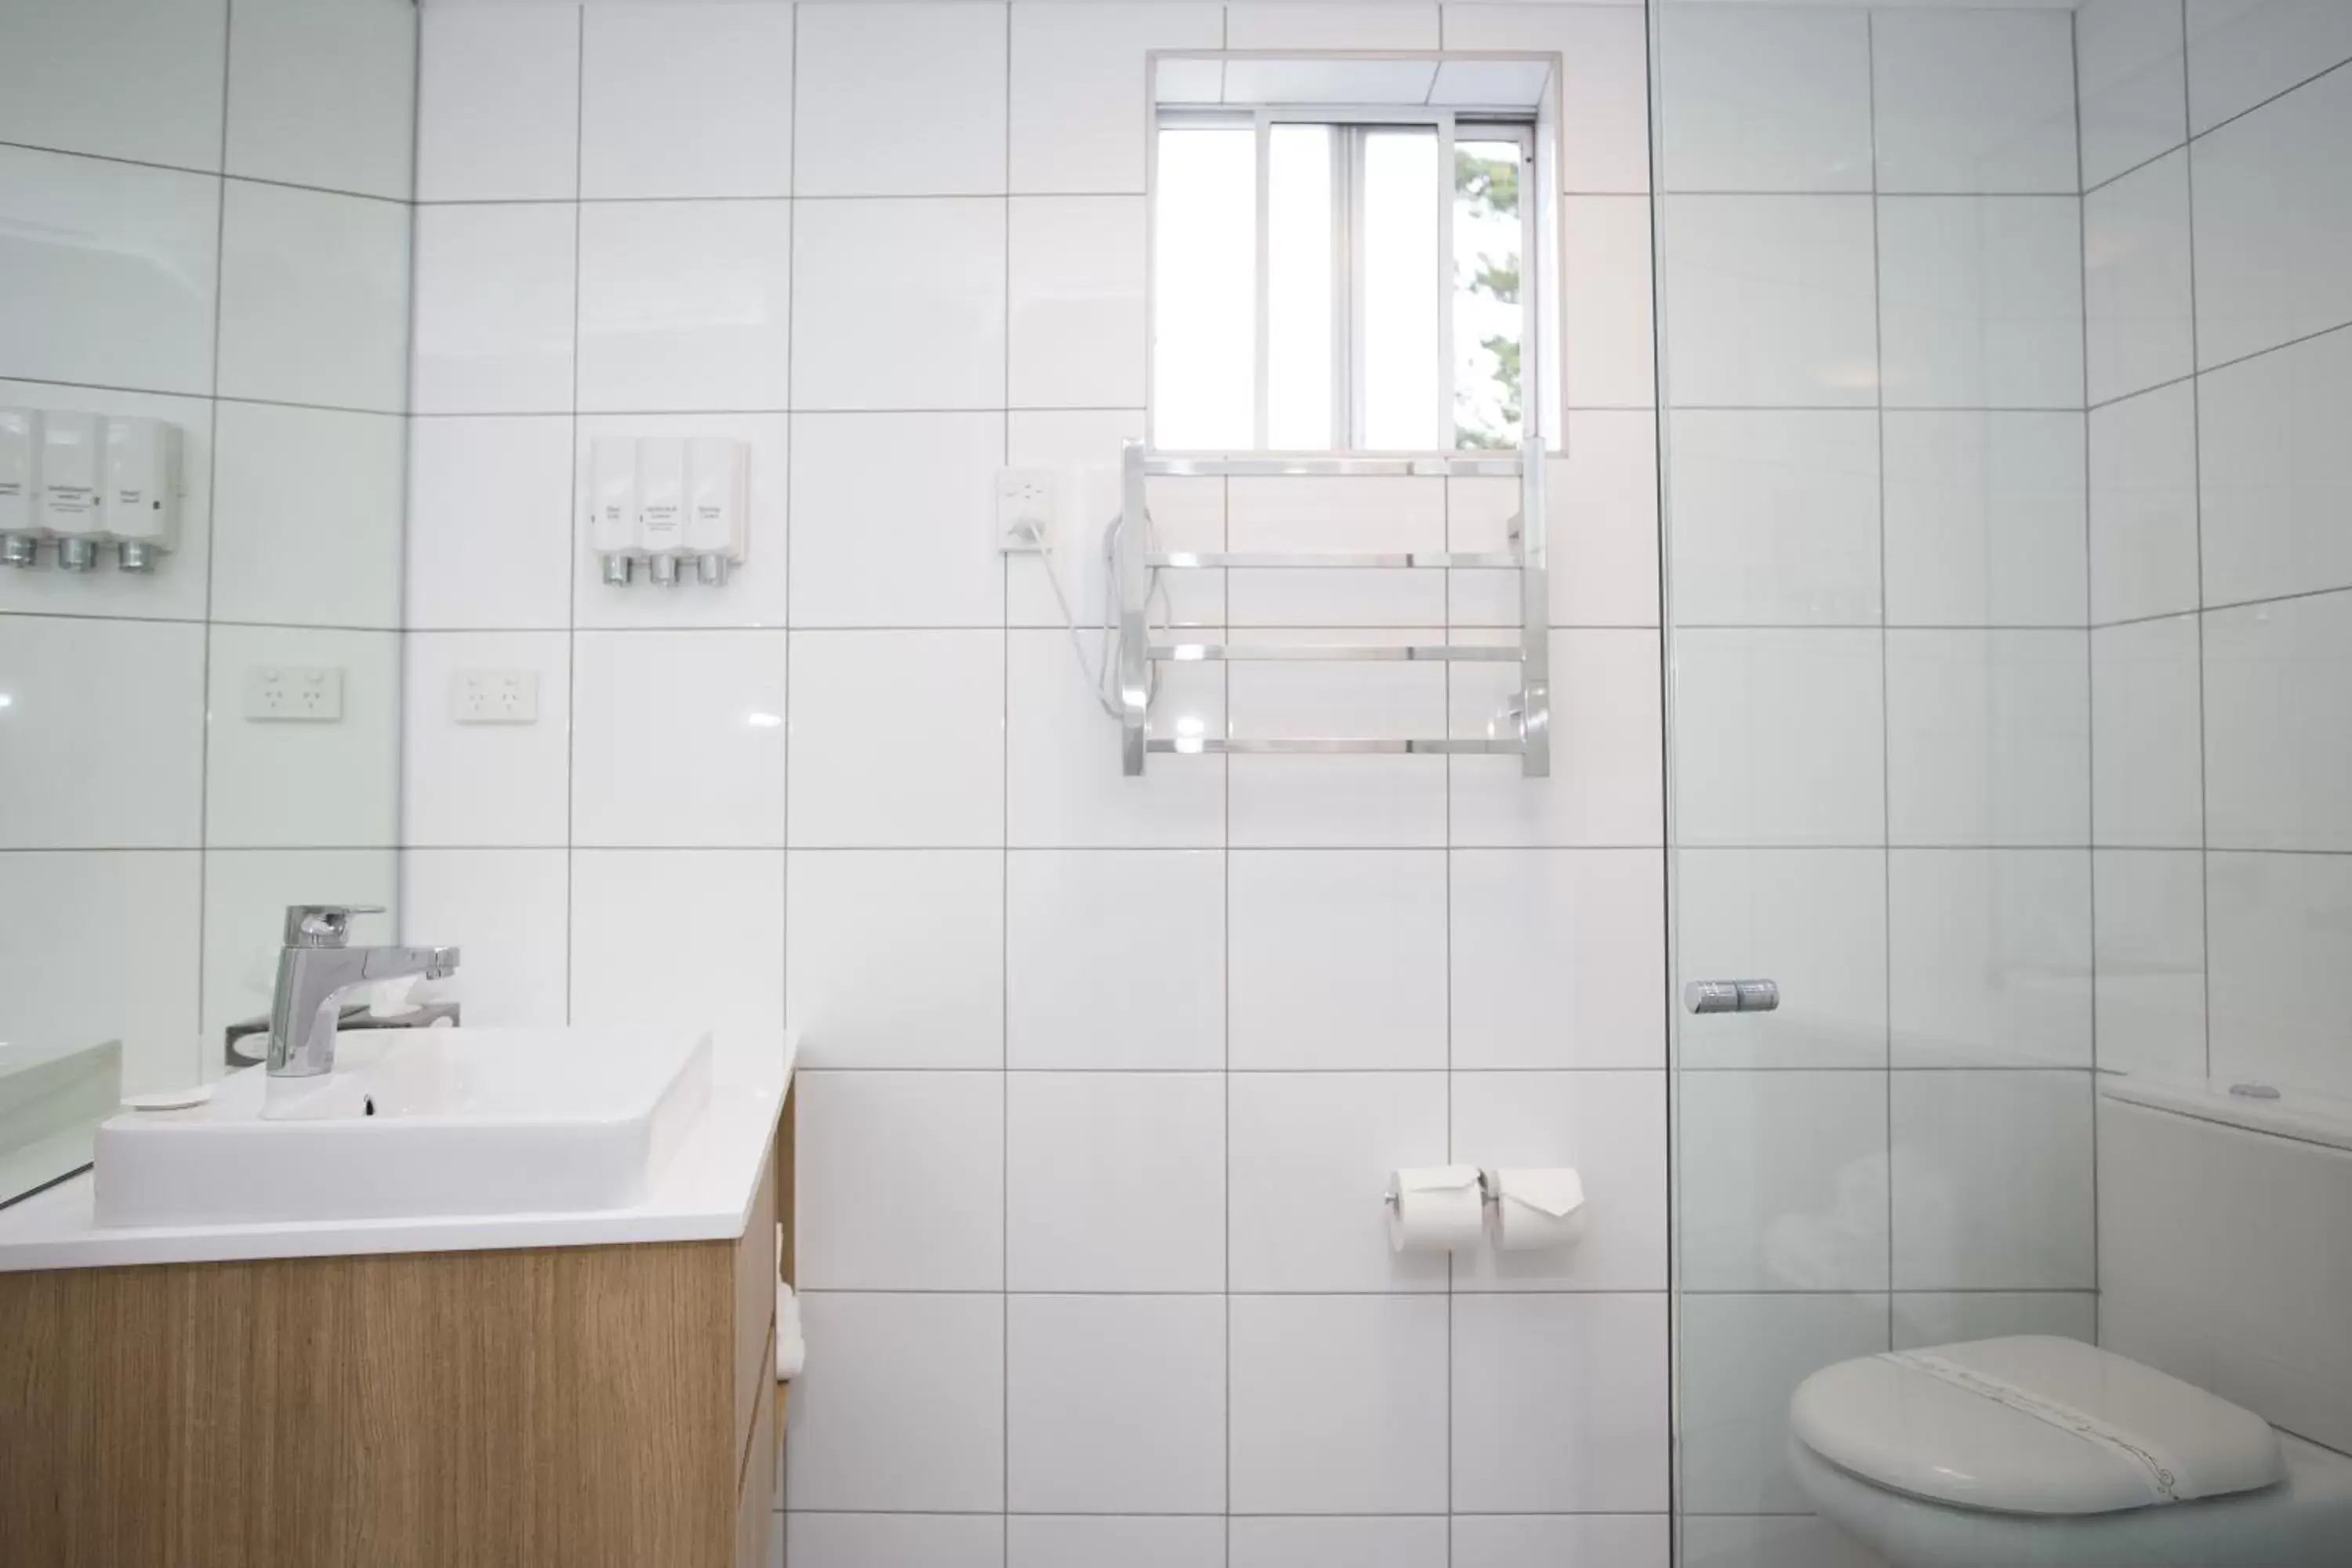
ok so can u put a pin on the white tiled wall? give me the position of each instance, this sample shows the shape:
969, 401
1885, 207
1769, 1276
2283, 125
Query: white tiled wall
207, 223
1104, 1075
2220, 579
1877, 448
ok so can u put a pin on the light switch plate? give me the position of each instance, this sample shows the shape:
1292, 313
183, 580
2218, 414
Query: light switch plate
294, 693
494, 696
1024, 507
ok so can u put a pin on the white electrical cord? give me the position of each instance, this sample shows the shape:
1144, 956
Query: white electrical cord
1100, 671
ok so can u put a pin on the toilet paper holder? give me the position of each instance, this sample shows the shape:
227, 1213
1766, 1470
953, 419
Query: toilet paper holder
1487, 1192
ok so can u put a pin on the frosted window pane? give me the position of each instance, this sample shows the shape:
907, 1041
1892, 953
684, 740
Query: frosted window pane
1400, 309
1204, 340
1299, 239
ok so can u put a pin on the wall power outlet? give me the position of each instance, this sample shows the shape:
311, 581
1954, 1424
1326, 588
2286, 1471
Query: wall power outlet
1024, 509
494, 696
294, 693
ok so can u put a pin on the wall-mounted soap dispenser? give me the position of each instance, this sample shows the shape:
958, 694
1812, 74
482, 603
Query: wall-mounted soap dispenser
20, 486
613, 503
661, 506
73, 472
717, 492
143, 490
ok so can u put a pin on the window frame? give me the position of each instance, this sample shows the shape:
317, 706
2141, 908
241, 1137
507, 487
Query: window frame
1351, 126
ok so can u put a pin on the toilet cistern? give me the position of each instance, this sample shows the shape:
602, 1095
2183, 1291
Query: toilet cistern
317, 967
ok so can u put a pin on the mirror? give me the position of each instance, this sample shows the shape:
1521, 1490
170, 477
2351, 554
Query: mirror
204, 367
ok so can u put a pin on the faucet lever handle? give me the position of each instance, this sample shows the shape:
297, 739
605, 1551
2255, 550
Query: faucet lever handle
323, 925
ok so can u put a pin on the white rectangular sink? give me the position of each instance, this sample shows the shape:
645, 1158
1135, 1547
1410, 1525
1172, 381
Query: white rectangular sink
415, 1123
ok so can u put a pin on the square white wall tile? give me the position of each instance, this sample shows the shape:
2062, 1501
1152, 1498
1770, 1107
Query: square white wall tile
1975, 100
1990, 957
900, 1181
680, 939
1784, 1181
2147, 728
1766, 98
1606, 712
1612, 1128
2129, 60
324, 95
902, 1540
106, 734
935, 336
1115, 1403
2138, 313
176, 590
113, 272
904, 1411
485, 785
1815, 919
1062, 763
686, 305
1076, 923
2243, 51
1338, 1404
686, 101
117, 79
1307, 1148
1771, 302
2274, 473
247, 893
1988, 737
1747, 1353
2274, 921
493, 314
678, 737
490, 523
1311, 24
314, 298
1115, 1180
2274, 223
1980, 301
941, 71
63, 931
2278, 693
1557, 961
1337, 958
1083, 1541
1922, 1319
1336, 1542
1079, 99
1562, 1539
894, 520
1605, 83
312, 513
2144, 521
509, 911
1560, 1403
1608, 357
1603, 501
1346, 801
862, 773
755, 593
2150, 952
1076, 329
860, 922
273, 784
1776, 517
1784, 737
497, 104
1991, 1181
1986, 516
1771, 1540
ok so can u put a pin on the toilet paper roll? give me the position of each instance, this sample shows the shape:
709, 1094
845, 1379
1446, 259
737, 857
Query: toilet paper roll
1435, 1208
1535, 1208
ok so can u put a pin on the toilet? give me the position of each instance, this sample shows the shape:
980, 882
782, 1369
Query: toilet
2211, 1426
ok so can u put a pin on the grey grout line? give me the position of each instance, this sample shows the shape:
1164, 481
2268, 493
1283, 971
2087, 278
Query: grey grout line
1886, 718
2196, 460
2090, 649
571, 524
221, 175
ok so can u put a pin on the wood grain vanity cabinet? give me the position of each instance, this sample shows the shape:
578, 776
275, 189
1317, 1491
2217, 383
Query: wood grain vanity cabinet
594, 1407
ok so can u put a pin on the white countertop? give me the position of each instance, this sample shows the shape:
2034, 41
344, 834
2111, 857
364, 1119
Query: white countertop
704, 1194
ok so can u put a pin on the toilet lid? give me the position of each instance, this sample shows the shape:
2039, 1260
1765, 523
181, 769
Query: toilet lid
2031, 1425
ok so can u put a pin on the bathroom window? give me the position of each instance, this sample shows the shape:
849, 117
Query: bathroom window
1339, 282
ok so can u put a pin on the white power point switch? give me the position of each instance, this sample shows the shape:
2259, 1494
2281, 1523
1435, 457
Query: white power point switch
296, 693
494, 696
1024, 507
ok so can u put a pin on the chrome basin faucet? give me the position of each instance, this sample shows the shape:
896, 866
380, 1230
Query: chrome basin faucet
317, 968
